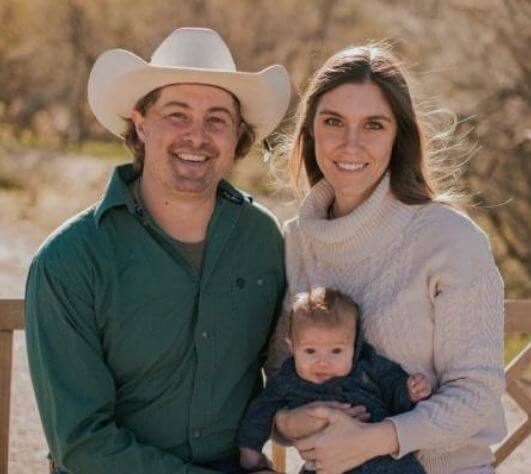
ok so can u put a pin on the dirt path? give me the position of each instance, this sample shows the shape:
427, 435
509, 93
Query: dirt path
64, 187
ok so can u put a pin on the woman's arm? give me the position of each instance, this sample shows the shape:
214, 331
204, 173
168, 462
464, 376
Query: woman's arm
346, 442
467, 299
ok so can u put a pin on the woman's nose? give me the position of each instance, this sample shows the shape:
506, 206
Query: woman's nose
353, 139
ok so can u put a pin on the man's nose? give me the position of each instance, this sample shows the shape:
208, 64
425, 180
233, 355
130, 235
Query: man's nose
196, 134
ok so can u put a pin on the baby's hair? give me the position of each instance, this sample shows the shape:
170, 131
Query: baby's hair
322, 307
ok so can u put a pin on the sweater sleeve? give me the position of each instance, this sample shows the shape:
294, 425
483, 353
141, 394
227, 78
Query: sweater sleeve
74, 388
466, 293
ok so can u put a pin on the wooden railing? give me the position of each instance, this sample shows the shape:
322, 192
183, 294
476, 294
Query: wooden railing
11, 319
517, 319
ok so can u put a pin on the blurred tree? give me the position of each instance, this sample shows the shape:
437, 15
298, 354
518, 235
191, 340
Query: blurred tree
478, 57
474, 55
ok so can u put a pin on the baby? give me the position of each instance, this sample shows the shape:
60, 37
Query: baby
331, 362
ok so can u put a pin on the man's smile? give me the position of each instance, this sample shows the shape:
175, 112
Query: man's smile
193, 159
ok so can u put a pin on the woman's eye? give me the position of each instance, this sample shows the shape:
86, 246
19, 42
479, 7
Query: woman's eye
337, 350
374, 125
332, 122
309, 350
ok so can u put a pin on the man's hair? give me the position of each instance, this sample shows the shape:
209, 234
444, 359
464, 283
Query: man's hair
322, 307
136, 146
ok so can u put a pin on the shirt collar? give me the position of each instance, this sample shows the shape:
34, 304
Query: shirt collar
117, 192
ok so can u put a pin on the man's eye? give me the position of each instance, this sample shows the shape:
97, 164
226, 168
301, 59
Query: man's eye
216, 120
177, 116
309, 350
337, 350
332, 122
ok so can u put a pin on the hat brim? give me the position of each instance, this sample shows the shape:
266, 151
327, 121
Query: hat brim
119, 79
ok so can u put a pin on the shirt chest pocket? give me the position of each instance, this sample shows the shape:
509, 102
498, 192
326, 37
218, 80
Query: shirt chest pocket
253, 300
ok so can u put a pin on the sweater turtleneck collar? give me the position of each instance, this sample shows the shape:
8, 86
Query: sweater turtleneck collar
373, 224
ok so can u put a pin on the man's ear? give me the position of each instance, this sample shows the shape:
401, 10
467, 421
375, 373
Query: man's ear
138, 121
290, 344
241, 129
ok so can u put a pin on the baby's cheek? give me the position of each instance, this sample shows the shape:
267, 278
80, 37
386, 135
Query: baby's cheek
346, 368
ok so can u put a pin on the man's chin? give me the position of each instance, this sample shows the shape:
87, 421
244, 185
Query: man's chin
194, 187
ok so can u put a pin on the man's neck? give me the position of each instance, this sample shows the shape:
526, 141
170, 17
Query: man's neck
184, 218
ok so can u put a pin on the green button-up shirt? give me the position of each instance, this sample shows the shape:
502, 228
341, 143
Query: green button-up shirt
139, 364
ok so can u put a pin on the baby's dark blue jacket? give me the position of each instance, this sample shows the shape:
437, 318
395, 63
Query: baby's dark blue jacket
374, 381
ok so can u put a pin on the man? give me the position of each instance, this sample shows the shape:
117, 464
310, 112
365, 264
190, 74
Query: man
147, 314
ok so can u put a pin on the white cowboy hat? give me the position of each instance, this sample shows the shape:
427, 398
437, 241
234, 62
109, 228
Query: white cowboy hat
120, 78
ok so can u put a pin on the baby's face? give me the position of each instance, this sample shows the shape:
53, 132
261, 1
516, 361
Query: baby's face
322, 353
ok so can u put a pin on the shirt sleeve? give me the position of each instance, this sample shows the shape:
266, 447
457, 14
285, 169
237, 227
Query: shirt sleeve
74, 387
255, 428
467, 298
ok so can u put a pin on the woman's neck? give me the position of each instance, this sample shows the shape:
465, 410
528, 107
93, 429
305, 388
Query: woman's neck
344, 204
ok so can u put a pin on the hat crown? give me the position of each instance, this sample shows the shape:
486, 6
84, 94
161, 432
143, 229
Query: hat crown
198, 48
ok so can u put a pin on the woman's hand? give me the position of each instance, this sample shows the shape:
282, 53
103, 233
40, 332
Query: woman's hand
300, 422
346, 443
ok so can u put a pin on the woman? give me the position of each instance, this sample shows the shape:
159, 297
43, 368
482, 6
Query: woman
374, 226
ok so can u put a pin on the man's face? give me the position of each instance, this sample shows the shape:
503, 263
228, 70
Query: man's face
322, 353
190, 135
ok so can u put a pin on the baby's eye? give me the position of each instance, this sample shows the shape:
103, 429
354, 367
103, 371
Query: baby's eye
309, 350
332, 122
337, 350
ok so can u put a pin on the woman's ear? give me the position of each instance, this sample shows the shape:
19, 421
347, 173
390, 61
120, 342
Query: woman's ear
138, 121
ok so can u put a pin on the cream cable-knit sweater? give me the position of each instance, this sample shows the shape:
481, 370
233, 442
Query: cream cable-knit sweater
431, 299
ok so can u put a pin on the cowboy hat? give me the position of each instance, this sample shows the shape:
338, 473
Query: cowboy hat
120, 78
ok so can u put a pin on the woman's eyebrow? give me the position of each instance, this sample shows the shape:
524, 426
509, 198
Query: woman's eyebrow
329, 112
370, 117
380, 117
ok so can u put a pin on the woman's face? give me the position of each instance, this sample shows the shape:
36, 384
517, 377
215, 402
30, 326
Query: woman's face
354, 131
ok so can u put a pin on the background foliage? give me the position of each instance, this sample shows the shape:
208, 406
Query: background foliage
469, 56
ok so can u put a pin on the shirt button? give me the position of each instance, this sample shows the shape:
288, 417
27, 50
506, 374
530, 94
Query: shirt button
259, 282
204, 335
197, 434
240, 283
